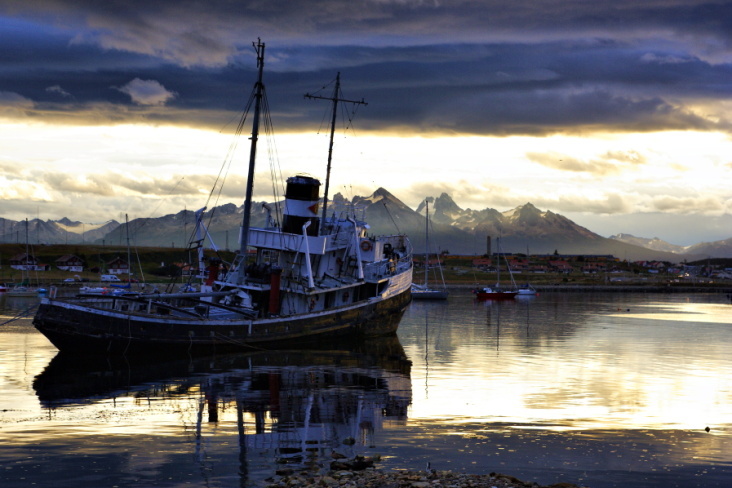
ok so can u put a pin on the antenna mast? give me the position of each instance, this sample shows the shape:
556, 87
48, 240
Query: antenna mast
335, 99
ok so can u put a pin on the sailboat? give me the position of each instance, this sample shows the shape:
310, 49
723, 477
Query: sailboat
498, 292
425, 292
526, 290
25, 288
307, 279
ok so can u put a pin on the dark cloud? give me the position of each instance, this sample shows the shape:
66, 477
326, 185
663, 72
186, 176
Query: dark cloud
13, 105
479, 67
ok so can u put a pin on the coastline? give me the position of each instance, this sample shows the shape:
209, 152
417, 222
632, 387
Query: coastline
378, 478
585, 287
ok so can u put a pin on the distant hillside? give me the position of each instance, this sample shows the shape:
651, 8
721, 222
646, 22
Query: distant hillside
176, 230
524, 229
62, 231
655, 243
718, 249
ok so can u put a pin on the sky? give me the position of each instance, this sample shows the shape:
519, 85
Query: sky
613, 114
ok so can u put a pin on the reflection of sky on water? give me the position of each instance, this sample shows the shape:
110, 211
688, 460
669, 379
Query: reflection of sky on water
602, 390
576, 387
693, 312
615, 370
230, 420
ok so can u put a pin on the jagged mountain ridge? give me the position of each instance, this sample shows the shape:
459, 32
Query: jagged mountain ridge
524, 229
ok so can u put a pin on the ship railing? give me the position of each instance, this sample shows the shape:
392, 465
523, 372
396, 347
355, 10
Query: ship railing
274, 239
380, 270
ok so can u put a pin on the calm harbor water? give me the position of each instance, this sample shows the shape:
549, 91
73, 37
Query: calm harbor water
598, 389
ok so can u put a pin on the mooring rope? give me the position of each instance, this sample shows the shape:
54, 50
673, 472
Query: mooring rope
21, 315
228, 339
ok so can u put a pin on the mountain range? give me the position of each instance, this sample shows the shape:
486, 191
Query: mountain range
524, 229
717, 249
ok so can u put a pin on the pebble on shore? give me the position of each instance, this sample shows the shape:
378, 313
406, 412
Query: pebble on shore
376, 478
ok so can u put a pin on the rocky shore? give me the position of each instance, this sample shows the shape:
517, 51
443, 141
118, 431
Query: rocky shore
376, 478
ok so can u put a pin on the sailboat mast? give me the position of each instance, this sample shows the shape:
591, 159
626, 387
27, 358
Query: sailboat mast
129, 257
244, 238
335, 99
498, 262
26, 276
426, 241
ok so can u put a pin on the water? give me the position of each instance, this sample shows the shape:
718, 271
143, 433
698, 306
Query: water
604, 390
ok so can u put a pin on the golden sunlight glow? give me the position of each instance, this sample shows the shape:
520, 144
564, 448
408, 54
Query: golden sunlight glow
476, 171
688, 312
622, 390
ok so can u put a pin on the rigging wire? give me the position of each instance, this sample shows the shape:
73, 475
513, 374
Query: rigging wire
392, 218
215, 194
22, 314
223, 173
347, 115
437, 252
350, 116
228, 159
143, 222
273, 156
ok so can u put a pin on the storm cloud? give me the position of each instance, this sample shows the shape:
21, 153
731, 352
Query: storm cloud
463, 67
558, 102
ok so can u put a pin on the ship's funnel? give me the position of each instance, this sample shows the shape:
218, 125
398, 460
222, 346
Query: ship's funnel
301, 205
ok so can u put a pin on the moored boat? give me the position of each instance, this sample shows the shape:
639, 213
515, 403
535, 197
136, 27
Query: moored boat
526, 290
497, 293
425, 291
419, 292
306, 279
24, 291
25, 288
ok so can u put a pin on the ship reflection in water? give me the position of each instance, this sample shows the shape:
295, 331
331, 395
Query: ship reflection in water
629, 390
239, 418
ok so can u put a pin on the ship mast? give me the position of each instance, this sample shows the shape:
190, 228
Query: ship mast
244, 239
427, 242
335, 99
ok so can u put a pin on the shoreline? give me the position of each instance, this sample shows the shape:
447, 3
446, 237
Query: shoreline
655, 288
380, 478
